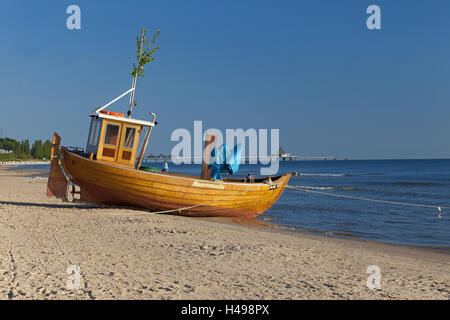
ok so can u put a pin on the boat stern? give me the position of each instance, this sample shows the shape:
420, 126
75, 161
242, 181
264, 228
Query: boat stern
57, 181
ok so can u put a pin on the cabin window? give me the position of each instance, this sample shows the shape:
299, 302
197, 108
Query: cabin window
129, 137
112, 134
94, 131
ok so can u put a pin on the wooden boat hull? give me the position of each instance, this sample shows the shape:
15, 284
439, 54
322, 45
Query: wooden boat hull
103, 183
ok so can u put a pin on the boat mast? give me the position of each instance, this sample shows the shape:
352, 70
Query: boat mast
144, 56
136, 75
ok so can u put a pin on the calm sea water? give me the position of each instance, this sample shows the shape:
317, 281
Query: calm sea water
410, 181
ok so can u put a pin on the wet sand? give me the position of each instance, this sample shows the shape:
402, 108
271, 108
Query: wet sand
124, 253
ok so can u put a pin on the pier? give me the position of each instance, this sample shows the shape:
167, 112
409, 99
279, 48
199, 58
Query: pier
281, 157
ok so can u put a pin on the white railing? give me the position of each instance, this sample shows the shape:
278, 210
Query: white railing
112, 101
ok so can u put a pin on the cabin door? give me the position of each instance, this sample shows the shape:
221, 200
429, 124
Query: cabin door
109, 143
128, 144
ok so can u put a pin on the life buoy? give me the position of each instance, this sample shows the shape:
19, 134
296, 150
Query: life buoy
111, 113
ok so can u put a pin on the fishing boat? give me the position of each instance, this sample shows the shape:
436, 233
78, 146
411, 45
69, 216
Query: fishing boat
110, 172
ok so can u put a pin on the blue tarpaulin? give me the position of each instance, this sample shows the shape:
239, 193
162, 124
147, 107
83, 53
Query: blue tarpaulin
224, 161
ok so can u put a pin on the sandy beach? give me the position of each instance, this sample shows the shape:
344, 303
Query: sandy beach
124, 253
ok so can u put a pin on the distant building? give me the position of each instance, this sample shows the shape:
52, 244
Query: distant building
3, 151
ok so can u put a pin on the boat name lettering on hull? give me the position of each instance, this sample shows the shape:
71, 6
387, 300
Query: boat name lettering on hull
208, 185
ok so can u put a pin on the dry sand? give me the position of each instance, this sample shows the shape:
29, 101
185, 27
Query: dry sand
130, 254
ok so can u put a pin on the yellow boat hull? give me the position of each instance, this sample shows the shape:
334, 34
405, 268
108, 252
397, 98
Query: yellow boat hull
103, 183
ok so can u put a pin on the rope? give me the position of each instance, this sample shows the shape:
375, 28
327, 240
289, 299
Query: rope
194, 206
367, 199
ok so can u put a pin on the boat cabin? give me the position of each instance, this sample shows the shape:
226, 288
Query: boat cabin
114, 138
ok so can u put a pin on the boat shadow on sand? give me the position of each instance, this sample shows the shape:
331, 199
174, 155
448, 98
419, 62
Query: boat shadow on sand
78, 205
71, 205
251, 222
50, 205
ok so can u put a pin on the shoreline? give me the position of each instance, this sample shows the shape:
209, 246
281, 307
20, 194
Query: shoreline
43, 173
124, 253
334, 235
281, 229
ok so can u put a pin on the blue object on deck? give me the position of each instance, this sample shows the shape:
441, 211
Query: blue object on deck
235, 159
224, 161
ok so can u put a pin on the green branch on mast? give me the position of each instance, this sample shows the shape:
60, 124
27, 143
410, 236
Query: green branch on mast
146, 48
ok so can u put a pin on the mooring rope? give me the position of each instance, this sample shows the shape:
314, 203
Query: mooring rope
368, 199
195, 206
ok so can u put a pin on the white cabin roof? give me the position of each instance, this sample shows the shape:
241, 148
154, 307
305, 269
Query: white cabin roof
97, 113
123, 119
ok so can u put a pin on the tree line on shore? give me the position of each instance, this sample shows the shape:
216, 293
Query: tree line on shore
23, 150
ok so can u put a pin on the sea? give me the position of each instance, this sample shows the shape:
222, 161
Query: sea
412, 182
322, 210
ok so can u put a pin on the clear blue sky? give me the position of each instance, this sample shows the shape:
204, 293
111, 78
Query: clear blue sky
310, 68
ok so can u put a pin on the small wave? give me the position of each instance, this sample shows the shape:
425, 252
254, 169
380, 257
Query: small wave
329, 233
325, 174
39, 177
318, 188
424, 184
327, 188
408, 184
